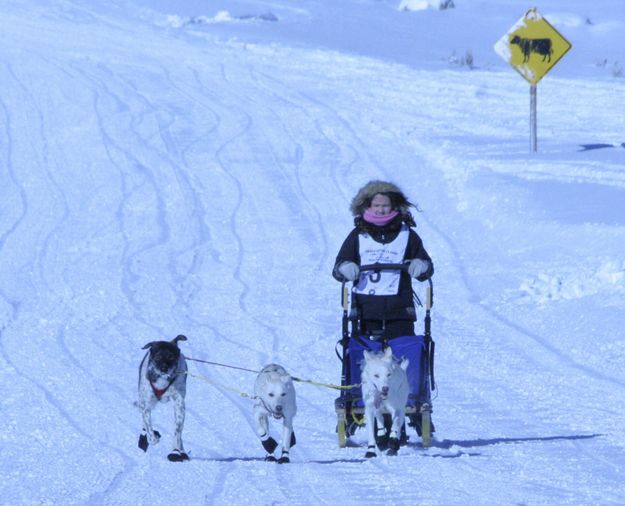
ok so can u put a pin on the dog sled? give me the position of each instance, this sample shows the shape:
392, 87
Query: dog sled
419, 350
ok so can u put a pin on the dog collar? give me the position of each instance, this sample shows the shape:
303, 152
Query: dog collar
277, 416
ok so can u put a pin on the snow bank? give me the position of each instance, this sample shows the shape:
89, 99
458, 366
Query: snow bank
571, 284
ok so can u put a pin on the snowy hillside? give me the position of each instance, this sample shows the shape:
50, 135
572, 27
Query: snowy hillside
186, 168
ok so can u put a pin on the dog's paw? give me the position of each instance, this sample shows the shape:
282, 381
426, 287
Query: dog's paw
284, 459
270, 458
177, 456
154, 438
393, 445
144, 440
269, 444
382, 442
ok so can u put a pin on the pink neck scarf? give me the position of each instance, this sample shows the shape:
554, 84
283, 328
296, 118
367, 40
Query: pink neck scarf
378, 220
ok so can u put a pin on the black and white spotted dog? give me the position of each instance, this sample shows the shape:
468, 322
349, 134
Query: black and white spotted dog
163, 378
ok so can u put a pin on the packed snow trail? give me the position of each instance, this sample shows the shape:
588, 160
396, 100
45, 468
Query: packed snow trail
158, 181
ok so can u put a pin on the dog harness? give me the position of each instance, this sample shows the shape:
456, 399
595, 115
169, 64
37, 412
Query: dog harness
159, 392
276, 415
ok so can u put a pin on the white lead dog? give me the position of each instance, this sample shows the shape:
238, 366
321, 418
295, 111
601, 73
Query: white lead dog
384, 390
275, 396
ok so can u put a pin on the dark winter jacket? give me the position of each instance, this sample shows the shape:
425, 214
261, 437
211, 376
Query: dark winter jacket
394, 313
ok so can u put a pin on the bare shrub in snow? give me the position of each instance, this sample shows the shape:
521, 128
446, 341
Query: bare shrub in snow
463, 61
420, 5
616, 69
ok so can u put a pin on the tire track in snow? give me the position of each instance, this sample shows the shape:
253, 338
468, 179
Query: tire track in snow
134, 176
44, 166
54, 398
288, 98
59, 405
54, 231
311, 109
182, 171
230, 168
6, 160
199, 99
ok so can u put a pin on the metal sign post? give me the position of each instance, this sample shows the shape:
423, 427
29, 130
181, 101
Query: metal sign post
533, 128
532, 46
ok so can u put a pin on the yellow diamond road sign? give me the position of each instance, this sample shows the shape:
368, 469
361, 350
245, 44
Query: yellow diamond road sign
532, 46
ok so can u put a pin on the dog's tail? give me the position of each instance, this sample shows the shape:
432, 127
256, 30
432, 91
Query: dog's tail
179, 337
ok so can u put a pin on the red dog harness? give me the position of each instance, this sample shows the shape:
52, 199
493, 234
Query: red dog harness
159, 392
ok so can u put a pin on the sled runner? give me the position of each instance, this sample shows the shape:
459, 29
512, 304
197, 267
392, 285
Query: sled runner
419, 350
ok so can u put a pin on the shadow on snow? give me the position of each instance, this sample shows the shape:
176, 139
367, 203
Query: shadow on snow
447, 444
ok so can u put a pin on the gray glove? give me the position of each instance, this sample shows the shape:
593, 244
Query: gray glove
416, 267
349, 270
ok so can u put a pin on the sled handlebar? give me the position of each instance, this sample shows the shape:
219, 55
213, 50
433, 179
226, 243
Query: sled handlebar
384, 267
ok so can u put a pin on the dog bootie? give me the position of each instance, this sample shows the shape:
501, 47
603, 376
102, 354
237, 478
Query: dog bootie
370, 452
269, 444
382, 441
393, 446
143, 440
177, 456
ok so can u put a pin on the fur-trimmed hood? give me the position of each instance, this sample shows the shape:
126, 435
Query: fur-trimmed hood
362, 200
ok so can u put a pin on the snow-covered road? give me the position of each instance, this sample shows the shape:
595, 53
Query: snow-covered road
157, 180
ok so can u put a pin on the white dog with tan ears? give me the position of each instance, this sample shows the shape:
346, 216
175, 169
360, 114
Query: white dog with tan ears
384, 390
275, 397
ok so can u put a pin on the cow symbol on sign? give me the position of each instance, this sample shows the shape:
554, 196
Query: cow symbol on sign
529, 46
532, 46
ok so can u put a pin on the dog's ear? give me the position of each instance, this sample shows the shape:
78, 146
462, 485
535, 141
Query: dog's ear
149, 345
388, 354
179, 337
404, 364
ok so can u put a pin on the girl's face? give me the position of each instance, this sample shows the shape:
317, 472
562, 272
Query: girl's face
381, 205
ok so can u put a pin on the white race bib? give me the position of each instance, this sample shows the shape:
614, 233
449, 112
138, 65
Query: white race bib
373, 252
